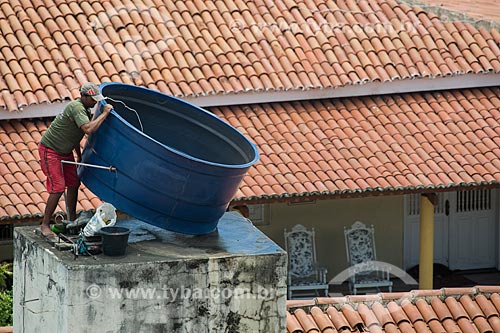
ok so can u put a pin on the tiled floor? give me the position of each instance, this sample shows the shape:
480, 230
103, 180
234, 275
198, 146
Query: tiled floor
491, 278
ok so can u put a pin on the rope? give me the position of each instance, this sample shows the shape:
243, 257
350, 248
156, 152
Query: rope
127, 107
80, 247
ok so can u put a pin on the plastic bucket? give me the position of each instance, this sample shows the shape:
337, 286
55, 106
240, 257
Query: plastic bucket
114, 240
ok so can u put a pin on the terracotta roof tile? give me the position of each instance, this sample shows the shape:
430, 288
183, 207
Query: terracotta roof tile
333, 147
20, 169
338, 320
306, 321
366, 164
215, 47
377, 315
292, 324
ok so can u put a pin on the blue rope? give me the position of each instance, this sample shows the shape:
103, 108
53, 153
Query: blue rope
81, 248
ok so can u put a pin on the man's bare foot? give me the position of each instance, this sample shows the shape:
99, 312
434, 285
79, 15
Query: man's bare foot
45, 229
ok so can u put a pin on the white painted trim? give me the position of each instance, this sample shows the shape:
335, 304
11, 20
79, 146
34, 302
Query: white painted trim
36, 111
466, 81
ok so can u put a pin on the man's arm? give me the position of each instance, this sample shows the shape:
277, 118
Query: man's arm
78, 153
94, 124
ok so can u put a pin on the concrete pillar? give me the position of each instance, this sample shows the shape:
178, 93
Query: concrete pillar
426, 265
232, 280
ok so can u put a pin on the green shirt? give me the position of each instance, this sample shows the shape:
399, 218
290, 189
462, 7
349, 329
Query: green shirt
64, 133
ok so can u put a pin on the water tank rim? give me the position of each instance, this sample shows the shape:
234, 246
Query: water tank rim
256, 156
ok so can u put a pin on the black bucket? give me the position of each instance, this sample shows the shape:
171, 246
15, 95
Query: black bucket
114, 240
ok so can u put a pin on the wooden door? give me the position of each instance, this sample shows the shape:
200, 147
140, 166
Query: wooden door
464, 230
472, 230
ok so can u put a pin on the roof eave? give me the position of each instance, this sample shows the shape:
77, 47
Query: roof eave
465, 81
362, 193
36, 111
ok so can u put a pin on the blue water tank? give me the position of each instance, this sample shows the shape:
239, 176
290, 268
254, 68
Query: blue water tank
177, 166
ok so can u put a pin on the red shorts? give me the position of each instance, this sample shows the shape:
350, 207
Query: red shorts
58, 178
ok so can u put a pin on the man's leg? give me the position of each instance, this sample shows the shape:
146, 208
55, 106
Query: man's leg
50, 162
50, 208
72, 197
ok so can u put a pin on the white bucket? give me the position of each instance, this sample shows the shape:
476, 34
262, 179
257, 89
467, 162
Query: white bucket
105, 216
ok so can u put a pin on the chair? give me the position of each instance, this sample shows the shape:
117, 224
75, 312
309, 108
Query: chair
304, 274
361, 255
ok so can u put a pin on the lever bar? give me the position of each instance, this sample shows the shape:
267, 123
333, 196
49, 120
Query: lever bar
110, 168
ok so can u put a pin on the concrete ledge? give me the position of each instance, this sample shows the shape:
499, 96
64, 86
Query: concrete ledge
232, 280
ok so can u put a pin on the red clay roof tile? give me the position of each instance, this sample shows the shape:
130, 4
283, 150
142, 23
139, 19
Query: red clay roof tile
481, 10
407, 135
338, 320
322, 320
380, 316
486, 307
306, 321
292, 324
360, 47
495, 323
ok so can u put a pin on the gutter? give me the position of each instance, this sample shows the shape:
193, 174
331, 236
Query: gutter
465, 81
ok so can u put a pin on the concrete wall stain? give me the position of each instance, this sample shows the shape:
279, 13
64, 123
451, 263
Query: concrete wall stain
233, 322
128, 284
195, 264
203, 310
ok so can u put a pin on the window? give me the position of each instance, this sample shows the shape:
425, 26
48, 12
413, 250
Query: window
259, 214
6, 232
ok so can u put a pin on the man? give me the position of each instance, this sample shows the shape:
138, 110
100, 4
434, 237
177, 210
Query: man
58, 143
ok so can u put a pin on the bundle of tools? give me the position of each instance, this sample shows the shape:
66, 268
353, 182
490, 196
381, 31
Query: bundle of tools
83, 245
71, 237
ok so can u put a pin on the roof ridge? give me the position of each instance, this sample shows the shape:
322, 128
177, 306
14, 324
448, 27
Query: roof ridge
385, 298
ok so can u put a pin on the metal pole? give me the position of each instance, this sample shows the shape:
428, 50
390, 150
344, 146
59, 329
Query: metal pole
110, 168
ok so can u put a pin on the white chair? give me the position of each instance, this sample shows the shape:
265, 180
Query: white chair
304, 274
361, 256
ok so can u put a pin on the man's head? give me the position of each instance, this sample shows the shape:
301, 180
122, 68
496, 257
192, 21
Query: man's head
90, 91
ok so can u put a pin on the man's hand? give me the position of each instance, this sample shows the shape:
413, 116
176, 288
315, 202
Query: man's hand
94, 124
107, 108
